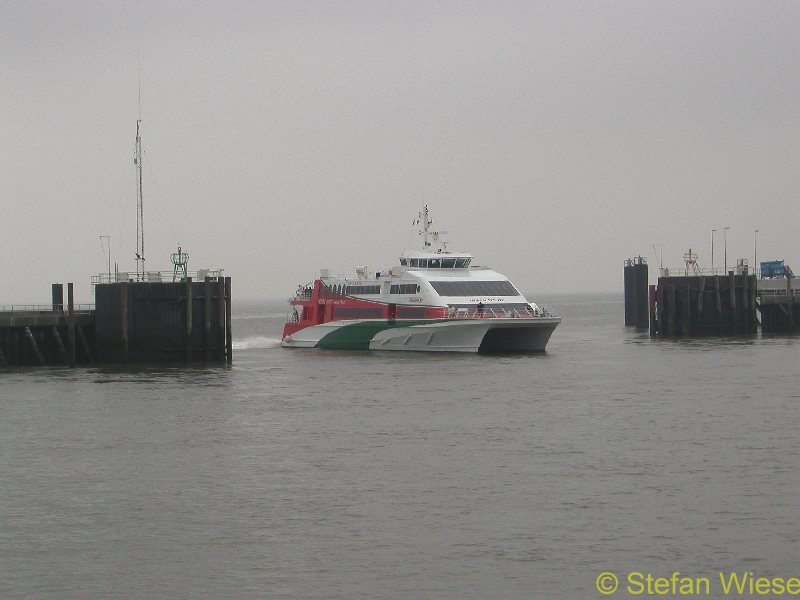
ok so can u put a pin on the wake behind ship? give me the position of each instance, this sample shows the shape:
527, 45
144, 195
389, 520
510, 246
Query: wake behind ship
433, 301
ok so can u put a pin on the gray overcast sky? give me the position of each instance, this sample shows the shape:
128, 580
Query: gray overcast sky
552, 140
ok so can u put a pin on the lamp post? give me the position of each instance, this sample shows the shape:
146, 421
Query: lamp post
725, 238
712, 251
755, 252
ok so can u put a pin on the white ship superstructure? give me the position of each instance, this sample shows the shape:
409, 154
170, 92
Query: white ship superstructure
434, 300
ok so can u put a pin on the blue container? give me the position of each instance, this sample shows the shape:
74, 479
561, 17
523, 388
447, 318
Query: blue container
773, 268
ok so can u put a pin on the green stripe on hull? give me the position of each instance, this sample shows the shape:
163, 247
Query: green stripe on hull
358, 335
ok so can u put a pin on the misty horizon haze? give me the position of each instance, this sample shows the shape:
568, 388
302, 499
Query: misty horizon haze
552, 141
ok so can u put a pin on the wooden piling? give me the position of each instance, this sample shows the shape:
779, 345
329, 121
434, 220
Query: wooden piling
71, 324
207, 315
652, 310
221, 316
60, 343
734, 312
84, 343
700, 295
36, 352
228, 333
188, 319
630, 294
672, 328
719, 304
58, 297
123, 290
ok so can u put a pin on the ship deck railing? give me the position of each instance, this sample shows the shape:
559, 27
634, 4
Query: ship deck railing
491, 313
465, 313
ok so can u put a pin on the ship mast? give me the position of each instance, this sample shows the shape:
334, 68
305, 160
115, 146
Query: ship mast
139, 208
437, 245
426, 223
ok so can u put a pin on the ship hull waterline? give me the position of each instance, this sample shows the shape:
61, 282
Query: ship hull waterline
446, 335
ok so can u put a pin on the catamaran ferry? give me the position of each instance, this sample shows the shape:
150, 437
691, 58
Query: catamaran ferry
433, 301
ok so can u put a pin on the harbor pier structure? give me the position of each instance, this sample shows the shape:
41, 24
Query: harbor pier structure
778, 295
154, 320
157, 321
637, 312
703, 304
55, 334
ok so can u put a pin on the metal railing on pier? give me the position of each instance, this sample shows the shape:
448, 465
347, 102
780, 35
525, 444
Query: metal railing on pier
698, 272
44, 308
154, 276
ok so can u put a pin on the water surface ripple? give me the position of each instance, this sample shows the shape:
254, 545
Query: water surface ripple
322, 474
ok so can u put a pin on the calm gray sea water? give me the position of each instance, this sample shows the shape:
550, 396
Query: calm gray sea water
320, 474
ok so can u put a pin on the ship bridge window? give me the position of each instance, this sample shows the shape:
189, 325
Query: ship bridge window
404, 288
439, 263
474, 288
403, 262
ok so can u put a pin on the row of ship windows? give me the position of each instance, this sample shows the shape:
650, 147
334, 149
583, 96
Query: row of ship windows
436, 263
361, 289
443, 288
474, 288
340, 290
404, 288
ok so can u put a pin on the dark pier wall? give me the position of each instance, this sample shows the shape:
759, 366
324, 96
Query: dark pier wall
143, 322
780, 318
47, 336
696, 305
46, 343
778, 304
637, 311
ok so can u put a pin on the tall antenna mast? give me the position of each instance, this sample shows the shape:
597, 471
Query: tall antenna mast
139, 203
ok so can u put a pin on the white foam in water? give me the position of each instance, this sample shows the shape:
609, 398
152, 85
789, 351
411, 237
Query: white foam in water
257, 341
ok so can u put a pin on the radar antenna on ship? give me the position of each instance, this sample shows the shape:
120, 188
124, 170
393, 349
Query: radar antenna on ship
437, 245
